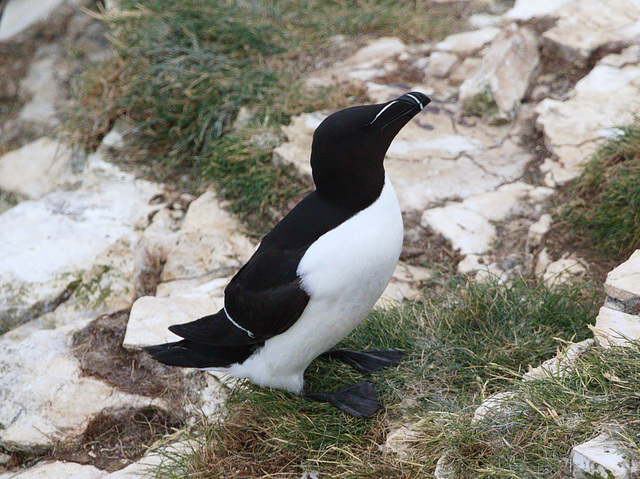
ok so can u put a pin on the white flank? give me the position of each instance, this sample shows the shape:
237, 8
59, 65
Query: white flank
345, 271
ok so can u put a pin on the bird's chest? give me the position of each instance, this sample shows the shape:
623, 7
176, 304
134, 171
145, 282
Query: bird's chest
353, 263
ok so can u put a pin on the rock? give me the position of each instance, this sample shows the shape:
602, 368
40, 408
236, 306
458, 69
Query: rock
537, 231
603, 457
151, 316
468, 225
399, 440
623, 283
44, 396
499, 408
602, 100
46, 245
364, 65
44, 86
586, 26
210, 243
405, 284
35, 169
562, 365
615, 327
297, 150
504, 78
440, 64
524, 10
58, 470
467, 43
18, 15
446, 467
563, 270
465, 70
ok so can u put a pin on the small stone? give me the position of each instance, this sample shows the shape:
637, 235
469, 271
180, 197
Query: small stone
35, 169
537, 231
603, 457
468, 43
506, 73
59, 470
616, 327
498, 408
563, 270
562, 365
440, 64
623, 283
525, 10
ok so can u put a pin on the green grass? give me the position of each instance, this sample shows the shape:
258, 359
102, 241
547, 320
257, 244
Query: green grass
184, 69
605, 199
477, 339
550, 416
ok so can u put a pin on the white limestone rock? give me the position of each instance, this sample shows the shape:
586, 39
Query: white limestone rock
507, 70
623, 283
18, 15
46, 245
440, 64
44, 86
588, 25
404, 285
615, 327
57, 470
210, 243
603, 457
563, 270
151, 316
468, 224
602, 100
525, 10
366, 64
44, 396
537, 231
467, 43
35, 169
562, 365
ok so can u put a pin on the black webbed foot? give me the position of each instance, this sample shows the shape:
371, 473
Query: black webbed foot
366, 362
359, 400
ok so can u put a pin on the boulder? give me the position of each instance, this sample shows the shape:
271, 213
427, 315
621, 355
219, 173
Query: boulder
507, 70
49, 247
44, 396
603, 100
36, 169
209, 245
57, 470
467, 43
587, 26
468, 225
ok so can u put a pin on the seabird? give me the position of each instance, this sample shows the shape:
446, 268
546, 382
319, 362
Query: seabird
318, 273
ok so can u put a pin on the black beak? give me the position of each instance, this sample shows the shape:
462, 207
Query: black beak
411, 104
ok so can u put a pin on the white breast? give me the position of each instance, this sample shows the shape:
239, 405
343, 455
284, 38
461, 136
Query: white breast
344, 272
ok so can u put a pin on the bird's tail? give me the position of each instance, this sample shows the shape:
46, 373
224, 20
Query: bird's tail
188, 354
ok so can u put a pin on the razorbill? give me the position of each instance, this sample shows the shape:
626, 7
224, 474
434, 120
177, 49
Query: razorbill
317, 274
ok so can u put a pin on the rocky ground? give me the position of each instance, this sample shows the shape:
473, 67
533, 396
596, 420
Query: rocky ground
95, 263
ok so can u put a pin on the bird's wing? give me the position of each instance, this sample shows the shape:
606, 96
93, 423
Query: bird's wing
265, 297
262, 300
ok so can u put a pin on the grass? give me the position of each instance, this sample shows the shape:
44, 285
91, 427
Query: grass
184, 70
550, 416
605, 200
477, 339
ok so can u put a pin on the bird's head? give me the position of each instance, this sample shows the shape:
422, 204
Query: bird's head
349, 147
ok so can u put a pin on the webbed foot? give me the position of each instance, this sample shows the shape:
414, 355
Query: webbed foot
366, 362
359, 400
